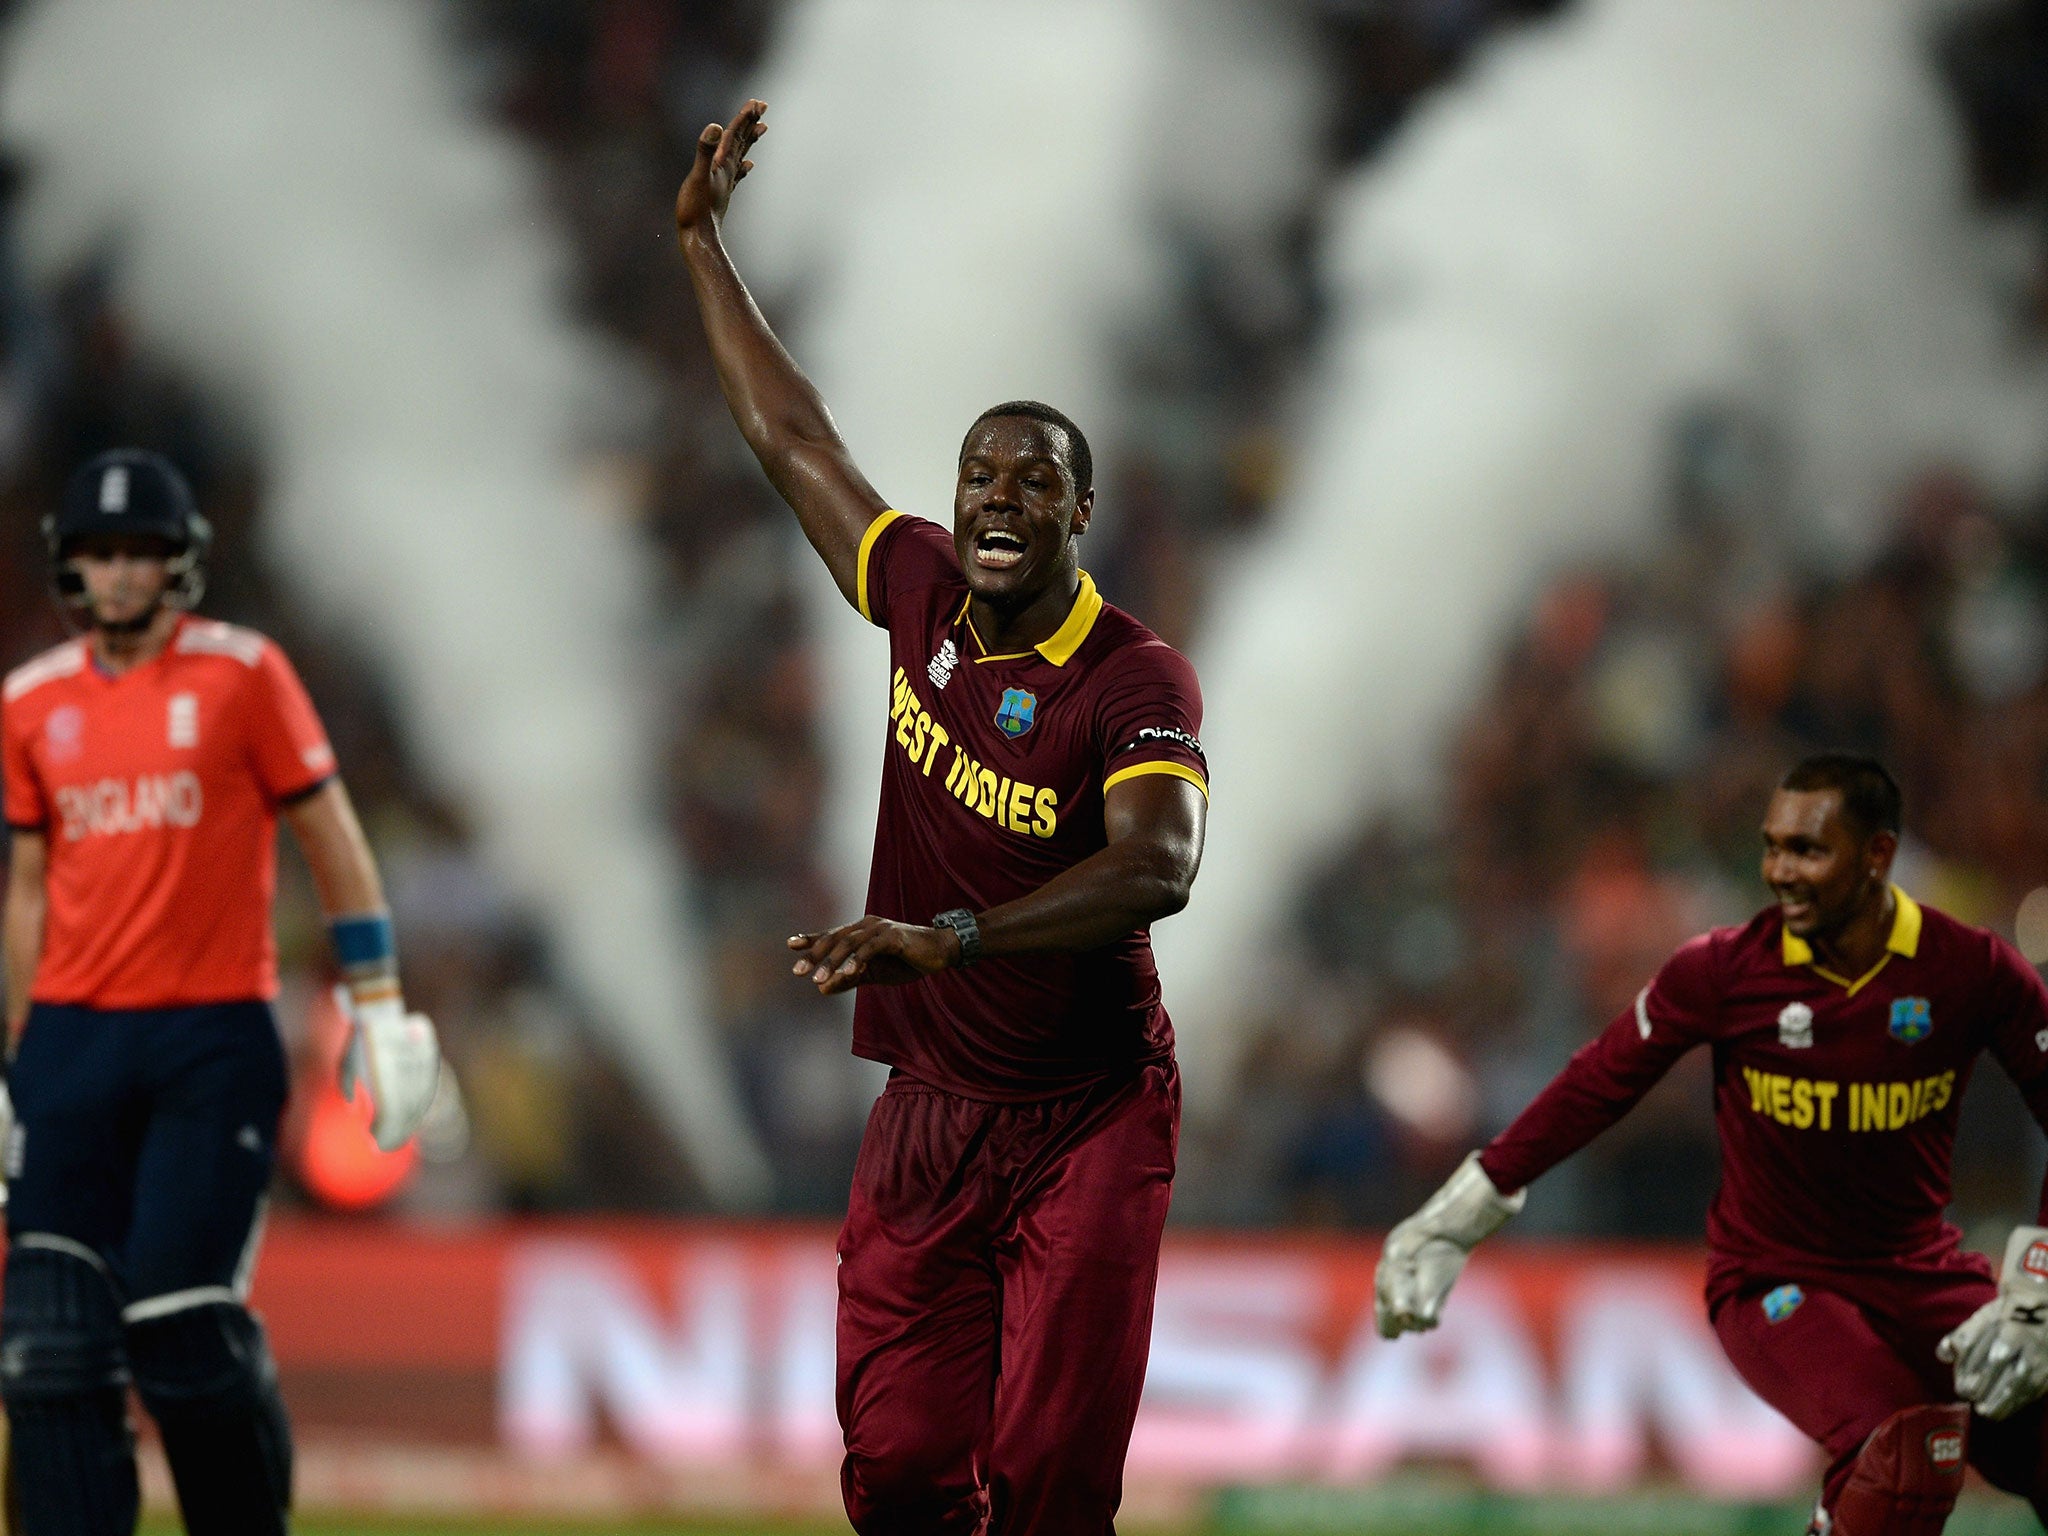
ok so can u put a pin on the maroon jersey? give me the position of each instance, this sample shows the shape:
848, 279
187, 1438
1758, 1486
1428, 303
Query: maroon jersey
1835, 1099
994, 773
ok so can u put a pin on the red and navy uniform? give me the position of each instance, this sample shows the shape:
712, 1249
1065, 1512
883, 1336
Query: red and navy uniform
149, 1079
1002, 1236
1833, 1271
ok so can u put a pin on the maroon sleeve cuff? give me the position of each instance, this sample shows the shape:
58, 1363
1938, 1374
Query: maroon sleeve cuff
1499, 1172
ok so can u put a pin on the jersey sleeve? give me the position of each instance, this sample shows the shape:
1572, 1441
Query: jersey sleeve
28, 810
286, 741
2017, 1007
900, 556
1150, 718
1608, 1075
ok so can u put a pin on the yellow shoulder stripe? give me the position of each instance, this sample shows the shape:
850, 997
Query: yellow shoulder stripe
1178, 770
860, 563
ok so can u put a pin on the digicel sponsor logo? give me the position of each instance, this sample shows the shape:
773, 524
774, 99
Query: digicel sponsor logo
1945, 1449
115, 806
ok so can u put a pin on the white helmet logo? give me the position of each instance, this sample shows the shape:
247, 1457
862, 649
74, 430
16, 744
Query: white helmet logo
114, 489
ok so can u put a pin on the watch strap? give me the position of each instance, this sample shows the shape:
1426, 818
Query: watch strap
962, 922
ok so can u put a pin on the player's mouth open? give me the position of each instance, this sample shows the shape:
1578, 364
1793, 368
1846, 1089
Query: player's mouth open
997, 550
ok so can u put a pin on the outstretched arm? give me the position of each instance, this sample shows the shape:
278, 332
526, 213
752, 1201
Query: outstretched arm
1425, 1254
778, 412
1604, 1080
1154, 825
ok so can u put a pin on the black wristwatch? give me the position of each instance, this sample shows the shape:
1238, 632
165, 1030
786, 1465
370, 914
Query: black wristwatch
962, 922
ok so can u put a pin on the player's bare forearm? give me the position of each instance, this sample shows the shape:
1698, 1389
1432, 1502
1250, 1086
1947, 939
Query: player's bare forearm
1135, 881
778, 410
1155, 825
22, 925
330, 836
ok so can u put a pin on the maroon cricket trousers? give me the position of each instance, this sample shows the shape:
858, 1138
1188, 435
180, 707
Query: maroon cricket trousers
1843, 1360
996, 1273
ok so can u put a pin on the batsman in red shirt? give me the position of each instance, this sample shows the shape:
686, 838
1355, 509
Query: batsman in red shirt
1844, 1021
148, 762
1043, 802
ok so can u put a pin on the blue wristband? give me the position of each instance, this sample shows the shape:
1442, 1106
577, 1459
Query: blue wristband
363, 941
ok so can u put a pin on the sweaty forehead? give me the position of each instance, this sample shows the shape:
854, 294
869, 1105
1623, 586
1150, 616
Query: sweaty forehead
1012, 439
1811, 813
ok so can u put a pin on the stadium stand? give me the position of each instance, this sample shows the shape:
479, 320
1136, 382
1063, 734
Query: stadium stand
1599, 799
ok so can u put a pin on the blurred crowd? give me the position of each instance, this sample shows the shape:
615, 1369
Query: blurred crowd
1598, 804
1601, 804
549, 1121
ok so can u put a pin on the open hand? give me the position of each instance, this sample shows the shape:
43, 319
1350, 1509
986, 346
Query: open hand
720, 165
873, 952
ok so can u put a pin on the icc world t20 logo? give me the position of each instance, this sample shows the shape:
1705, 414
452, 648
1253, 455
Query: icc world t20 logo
1017, 713
1795, 1027
1912, 1019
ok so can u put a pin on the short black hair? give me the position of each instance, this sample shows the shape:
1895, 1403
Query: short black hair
1870, 795
1080, 461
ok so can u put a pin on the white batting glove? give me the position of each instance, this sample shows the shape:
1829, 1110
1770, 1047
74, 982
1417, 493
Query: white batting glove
1426, 1253
2001, 1350
397, 1056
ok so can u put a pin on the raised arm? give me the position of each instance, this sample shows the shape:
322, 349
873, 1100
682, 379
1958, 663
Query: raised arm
28, 904
1154, 825
778, 412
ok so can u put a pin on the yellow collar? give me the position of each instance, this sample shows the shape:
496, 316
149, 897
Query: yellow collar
1060, 647
1903, 940
1066, 640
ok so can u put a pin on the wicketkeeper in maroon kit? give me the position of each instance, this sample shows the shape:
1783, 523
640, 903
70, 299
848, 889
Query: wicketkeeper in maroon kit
1043, 802
1844, 1021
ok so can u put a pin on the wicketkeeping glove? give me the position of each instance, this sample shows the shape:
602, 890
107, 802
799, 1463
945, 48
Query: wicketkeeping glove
1426, 1253
397, 1055
2001, 1350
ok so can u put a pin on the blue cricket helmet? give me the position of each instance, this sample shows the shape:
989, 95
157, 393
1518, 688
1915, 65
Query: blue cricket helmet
130, 491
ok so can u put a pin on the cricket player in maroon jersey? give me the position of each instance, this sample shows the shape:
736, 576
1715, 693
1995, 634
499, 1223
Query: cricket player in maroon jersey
1043, 802
1845, 1021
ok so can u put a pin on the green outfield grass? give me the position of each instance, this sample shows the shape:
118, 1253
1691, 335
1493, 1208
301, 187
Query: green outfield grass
1401, 1512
